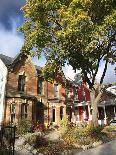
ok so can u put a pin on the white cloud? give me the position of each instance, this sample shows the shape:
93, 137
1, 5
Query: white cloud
10, 42
69, 72
110, 76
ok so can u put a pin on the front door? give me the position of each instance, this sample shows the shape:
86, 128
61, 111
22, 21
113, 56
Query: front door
53, 115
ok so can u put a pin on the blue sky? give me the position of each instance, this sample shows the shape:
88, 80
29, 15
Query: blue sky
11, 41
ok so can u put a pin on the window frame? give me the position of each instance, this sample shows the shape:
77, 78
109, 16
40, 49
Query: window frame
61, 112
56, 90
24, 110
21, 83
40, 86
54, 115
13, 112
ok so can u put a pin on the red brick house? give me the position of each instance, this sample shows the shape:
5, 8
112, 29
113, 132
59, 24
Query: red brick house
29, 96
79, 106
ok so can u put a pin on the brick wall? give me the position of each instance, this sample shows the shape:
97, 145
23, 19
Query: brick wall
24, 65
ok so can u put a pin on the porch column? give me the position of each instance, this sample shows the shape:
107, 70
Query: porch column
105, 116
84, 113
78, 119
73, 117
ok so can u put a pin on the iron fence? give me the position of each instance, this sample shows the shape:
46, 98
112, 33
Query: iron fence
7, 140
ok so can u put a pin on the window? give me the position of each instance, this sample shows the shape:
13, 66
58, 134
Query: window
24, 110
13, 112
21, 83
68, 93
55, 90
39, 87
61, 113
75, 94
53, 115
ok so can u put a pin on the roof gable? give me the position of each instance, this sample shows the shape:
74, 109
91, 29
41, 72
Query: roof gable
6, 59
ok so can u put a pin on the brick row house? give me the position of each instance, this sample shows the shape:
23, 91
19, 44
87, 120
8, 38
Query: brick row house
28, 95
79, 105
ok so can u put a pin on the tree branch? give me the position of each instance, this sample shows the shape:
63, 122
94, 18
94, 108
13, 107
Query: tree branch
107, 51
97, 67
87, 79
104, 72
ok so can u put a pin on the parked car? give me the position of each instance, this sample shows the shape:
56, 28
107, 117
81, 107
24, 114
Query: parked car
113, 122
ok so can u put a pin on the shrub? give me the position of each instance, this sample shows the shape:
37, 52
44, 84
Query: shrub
83, 136
94, 132
110, 131
39, 127
80, 132
31, 137
40, 142
64, 125
69, 136
110, 128
24, 127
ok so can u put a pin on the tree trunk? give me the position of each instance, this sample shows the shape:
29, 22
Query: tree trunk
95, 114
95, 98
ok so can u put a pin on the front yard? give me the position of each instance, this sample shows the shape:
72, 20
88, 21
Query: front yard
66, 138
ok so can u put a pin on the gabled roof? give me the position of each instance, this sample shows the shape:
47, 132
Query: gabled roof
112, 89
6, 59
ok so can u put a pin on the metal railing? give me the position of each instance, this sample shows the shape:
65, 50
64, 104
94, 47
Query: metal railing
7, 140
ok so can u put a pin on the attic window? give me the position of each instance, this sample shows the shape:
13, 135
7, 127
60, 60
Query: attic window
21, 83
39, 87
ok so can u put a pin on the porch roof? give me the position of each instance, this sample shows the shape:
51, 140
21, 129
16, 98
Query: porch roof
107, 103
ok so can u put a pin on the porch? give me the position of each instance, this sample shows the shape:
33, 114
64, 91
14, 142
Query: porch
82, 112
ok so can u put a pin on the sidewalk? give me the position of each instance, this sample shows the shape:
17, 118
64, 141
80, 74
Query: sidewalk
105, 149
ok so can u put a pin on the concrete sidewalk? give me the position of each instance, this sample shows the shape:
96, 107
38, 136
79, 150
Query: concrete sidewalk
105, 149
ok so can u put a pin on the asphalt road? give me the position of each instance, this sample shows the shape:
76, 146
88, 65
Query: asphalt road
105, 149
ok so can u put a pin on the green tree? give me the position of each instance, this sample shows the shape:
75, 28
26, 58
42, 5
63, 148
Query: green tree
79, 32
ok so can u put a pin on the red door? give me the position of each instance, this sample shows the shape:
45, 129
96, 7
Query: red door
80, 113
